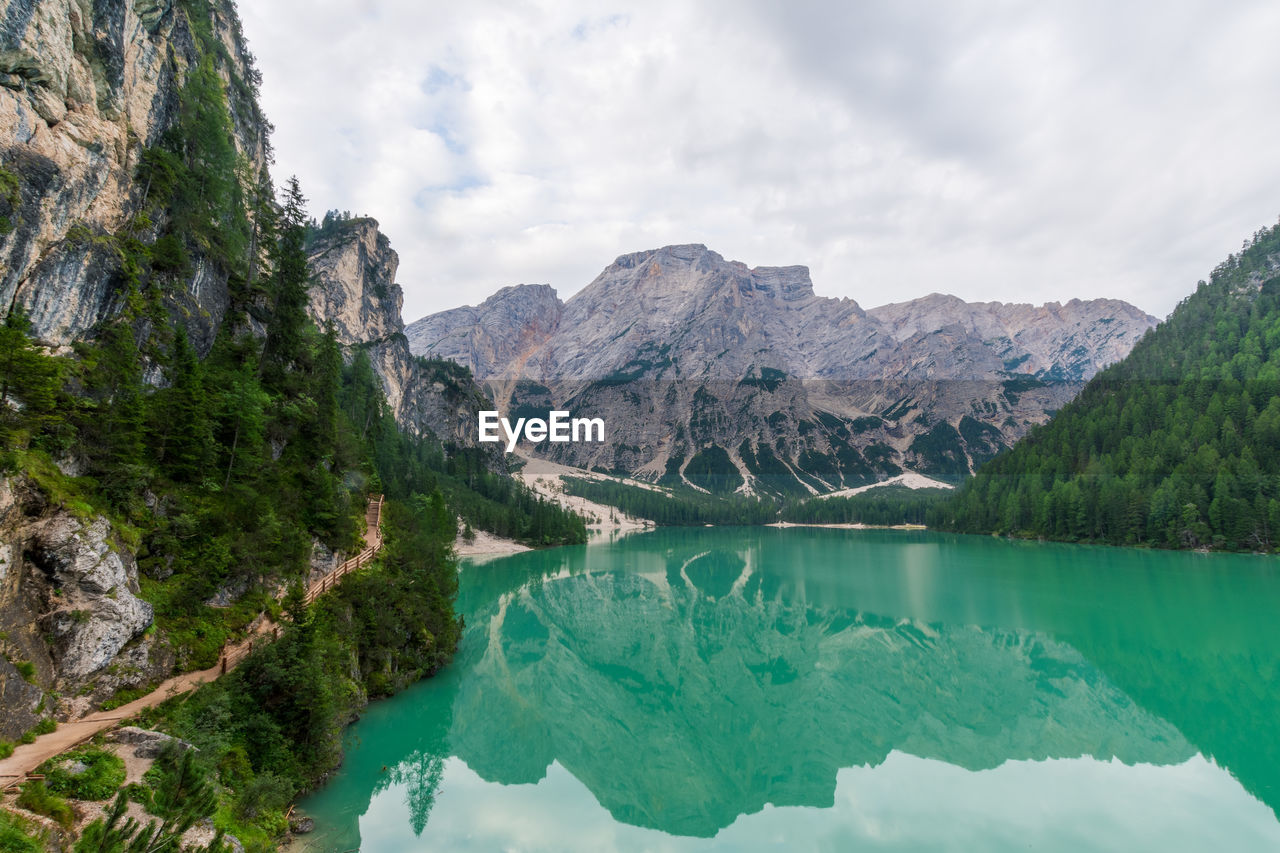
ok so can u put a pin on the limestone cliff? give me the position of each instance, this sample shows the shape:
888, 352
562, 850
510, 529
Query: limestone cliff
686, 353
70, 611
354, 289
491, 338
86, 86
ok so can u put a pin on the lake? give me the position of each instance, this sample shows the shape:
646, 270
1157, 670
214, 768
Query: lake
820, 689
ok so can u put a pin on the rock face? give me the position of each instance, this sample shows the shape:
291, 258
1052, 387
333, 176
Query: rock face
97, 610
69, 606
747, 374
354, 283
85, 87
354, 288
1053, 341
493, 337
145, 742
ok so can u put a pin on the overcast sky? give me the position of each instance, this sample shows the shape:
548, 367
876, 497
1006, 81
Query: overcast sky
997, 150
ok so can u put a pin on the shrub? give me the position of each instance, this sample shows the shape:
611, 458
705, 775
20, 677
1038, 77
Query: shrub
6, 749
88, 774
16, 836
27, 670
35, 797
267, 792
124, 696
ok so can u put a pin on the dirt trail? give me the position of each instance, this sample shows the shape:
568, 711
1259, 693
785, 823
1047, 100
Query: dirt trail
27, 757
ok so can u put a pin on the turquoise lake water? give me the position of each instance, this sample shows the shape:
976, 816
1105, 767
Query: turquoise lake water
818, 689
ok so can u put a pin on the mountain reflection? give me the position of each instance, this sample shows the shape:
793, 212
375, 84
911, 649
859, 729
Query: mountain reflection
690, 677
681, 707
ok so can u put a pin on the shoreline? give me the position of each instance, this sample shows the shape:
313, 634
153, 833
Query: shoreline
848, 525
486, 546
545, 478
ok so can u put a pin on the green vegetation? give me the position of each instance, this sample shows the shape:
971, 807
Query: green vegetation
36, 798
1177, 445
272, 727
10, 200
18, 835
405, 465
84, 774
673, 507
939, 453
43, 727
179, 793
769, 471
713, 470
333, 223
27, 670
29, 383
124, 696
883, 506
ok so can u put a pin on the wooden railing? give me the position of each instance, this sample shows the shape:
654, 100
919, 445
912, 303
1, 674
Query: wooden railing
373, 541
232, 655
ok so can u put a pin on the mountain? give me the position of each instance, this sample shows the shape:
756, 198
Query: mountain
354, 289
759, 384
492, 336
89, 94
1177, 445
201, 389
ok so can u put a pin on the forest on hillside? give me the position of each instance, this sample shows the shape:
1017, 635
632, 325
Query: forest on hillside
224, 472
1177, 445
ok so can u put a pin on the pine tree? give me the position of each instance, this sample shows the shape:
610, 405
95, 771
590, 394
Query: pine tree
283, 352
184, 430
29, 379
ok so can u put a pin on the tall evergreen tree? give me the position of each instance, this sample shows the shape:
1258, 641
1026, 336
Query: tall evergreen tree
284, 350
183, 430
29, 379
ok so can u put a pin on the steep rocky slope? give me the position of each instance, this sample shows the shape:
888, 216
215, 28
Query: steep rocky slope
85, 89
493, 336
354, 288
70, 611
111, 112
749, 375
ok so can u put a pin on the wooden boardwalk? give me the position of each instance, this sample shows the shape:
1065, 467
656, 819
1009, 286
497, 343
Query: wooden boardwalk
373, 544
27, 757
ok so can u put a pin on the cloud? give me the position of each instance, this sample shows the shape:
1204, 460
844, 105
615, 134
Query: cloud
996, 150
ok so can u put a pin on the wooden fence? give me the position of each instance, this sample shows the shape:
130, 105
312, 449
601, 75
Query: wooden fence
373, 541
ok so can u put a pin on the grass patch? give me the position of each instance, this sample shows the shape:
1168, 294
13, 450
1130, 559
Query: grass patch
124, 696
84, 774
18, 835
196, 630
36, 798
44, 727
76, 494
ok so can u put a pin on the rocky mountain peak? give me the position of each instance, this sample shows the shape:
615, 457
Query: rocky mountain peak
745, 370
690, 269
489, 336
354, 285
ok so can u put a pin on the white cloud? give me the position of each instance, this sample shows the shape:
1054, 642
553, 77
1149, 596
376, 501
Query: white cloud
996, 150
